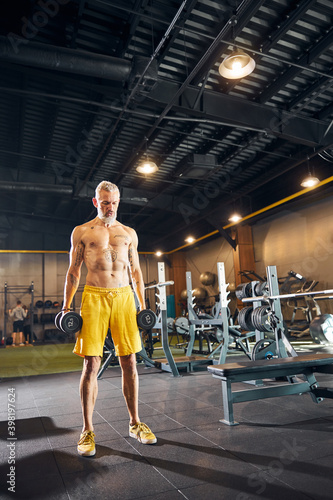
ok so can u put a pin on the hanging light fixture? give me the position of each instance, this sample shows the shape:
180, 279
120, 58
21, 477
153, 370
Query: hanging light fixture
190, 239
237, 65
147, 166
235, 218
310, 180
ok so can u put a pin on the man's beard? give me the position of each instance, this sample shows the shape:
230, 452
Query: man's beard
105, 219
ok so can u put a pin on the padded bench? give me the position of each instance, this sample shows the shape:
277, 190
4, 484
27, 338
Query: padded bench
245, 371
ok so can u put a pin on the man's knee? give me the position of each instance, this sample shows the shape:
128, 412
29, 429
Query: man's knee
128, 363
91, 365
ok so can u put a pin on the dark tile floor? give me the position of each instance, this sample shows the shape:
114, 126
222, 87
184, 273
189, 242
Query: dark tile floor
282, 449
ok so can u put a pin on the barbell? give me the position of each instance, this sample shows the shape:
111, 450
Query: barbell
71, 322
287, 296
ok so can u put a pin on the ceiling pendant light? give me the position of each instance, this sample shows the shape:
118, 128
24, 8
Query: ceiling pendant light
237, 65
235, 218
190, 239
310, 181
147, 166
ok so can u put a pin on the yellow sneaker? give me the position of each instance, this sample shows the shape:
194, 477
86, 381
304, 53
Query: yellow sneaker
142, 433
86, 444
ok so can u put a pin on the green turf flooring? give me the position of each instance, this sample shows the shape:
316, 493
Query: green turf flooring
38, 360
25, 361
50, 358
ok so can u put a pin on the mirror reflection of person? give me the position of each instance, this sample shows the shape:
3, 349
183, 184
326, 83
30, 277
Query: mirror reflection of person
19, 315
109, 251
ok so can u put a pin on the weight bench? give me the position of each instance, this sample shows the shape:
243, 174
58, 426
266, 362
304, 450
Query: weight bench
245, 371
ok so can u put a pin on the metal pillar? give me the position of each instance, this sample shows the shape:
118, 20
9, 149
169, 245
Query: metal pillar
224, 301
282, 343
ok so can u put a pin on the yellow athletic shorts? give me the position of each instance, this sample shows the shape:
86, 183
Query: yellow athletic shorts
104, 308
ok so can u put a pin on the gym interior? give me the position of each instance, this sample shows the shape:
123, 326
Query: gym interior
236, 365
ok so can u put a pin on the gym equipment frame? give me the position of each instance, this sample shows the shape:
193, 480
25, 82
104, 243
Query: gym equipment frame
168, 364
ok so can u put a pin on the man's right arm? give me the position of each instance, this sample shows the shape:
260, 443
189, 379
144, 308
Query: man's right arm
74, 270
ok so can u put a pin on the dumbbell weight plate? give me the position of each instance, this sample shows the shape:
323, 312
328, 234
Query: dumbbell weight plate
261, 288
70, 322
182, 325
264, 349
170, 322
243, 290
57, 320
261, 319
146, 319
244, 319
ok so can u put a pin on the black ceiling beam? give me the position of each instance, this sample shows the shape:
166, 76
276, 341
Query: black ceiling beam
129, 102
199, 65
183, 18
245, 188
306, 59
243, 114
215, 222
132, 23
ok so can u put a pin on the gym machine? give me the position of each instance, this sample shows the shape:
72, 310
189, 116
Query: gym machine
168, 364
218, 325
220, 320
262, 320
266, 308
266, 312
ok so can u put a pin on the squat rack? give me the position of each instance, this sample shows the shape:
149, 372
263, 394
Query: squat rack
17, 289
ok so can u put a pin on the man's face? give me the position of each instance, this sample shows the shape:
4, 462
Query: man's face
107, 205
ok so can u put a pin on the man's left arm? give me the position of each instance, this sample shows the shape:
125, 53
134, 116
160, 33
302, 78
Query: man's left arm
133, 257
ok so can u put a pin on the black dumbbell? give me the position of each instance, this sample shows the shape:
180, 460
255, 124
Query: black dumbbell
146, 319
70, 322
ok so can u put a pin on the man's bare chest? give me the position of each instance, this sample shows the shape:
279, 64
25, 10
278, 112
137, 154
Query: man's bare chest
104, 239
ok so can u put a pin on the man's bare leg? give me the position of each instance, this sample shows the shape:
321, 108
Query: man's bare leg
89, 390
130, 386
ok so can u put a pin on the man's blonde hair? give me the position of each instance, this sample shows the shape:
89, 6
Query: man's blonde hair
106, 186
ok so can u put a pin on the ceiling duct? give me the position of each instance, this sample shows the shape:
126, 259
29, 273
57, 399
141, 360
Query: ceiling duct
72, 61
144, 74
36, 188
195, 166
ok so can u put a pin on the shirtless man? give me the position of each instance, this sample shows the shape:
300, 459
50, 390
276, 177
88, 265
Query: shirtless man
108, 249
